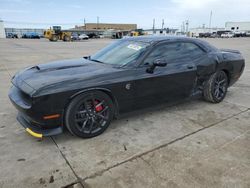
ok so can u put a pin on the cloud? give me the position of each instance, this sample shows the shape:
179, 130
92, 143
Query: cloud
75, 6
192, 4
174, 12
16, 1
198, 12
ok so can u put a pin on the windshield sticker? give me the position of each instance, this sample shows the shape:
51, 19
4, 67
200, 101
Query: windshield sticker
134, 47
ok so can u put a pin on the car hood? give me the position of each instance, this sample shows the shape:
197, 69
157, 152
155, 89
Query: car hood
58, 73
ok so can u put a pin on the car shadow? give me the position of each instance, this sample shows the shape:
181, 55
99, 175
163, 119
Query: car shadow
130, 116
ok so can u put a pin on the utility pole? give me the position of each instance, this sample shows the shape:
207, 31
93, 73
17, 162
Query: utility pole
97, 23
84, 20
153, 26
162, 25
187, 24
210, 20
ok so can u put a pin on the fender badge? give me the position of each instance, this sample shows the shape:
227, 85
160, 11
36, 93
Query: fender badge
128, 86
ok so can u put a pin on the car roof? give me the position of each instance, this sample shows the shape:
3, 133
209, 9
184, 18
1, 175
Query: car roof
155, 39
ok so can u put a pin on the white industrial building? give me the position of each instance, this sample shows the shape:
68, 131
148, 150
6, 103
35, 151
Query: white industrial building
238, 26
2, 31
21, 31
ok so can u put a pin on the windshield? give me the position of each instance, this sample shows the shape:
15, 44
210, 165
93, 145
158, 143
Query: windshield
120, 53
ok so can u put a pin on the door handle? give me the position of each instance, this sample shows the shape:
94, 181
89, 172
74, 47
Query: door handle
190, 66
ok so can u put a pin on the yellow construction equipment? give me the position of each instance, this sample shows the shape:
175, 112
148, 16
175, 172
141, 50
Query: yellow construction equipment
134, 33
137, 32
56, 34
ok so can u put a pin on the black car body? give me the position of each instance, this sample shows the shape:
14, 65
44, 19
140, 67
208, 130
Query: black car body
42, 93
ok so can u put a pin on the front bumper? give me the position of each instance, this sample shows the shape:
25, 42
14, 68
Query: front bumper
32, 117
35, 130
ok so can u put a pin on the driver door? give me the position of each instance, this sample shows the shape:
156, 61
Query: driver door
166, 84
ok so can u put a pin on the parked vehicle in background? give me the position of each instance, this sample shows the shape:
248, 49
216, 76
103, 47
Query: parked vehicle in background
31, 35
83, 37
92, 35
214, 35
100, 36
204, 35
248, 34
227, 35
42, 36
75, 36
196, 35
239, 34
12, 36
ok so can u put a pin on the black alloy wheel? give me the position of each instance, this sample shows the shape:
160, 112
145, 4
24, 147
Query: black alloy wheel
89, 114
215, 88
220, 86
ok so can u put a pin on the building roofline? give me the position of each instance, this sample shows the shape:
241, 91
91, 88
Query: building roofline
113, 23
239, 22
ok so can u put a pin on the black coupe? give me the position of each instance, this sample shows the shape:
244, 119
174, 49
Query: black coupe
85, 94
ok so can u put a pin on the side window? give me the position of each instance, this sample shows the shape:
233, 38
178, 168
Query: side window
169, 52
172, 52
192, 49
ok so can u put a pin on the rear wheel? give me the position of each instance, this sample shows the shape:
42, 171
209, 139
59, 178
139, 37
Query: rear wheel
66, 38
215, 88
89, 114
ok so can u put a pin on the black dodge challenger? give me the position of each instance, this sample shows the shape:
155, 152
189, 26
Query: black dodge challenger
85, 94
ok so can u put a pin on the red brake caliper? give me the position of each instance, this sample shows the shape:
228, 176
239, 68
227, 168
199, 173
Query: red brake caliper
98, 106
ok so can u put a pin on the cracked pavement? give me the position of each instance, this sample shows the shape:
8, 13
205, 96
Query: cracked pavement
191, 144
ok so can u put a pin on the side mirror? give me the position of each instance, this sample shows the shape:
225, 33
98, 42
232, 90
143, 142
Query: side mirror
160, 63
156, 63
86, 57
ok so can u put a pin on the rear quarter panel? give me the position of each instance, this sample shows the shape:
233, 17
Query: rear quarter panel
233, 62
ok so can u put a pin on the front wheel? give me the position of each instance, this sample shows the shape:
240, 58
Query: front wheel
54, 38
215, 88
89, 114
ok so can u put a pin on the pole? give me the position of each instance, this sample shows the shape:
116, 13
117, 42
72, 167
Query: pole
187, 24
210, 20
84, 20
162, 26
97, 22
153, 26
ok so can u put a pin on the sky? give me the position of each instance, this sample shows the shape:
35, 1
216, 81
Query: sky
68, 13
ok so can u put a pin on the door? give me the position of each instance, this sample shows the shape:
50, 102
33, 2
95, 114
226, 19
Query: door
166, 84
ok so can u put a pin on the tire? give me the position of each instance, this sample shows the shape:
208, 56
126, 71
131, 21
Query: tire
66, 38
54, 38
89, 114
215, 88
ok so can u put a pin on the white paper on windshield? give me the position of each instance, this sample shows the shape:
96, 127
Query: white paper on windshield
134, 47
